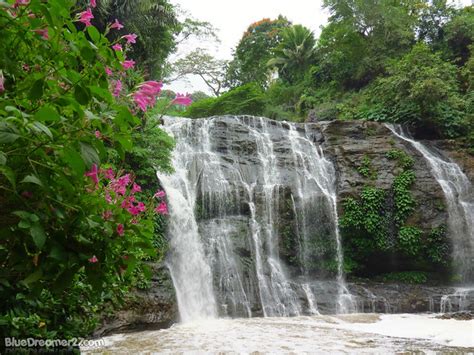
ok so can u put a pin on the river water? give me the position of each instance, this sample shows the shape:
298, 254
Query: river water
361, 333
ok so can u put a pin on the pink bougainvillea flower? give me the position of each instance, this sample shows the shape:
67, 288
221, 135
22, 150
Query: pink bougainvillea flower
146, 94
133, 210
128, 64
108, 71
2, 82
120, 185
108, 198
108, 173
136, 188
93, 174
134, 221
93, 3
126, 203
160, 194
107, 215
98, 135
26, 67
151, 87
162, 208
120, 229
131, 38
117, 87
93, 260
183, 100
116, 25
121, 190
19, 3
43, 32
117, 47
141, 207
125, 180
86, 16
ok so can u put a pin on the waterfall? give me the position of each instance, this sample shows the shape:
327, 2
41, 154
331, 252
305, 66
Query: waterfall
459, 195
190, 271
244, 191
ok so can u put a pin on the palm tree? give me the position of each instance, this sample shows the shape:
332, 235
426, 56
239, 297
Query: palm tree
294, 54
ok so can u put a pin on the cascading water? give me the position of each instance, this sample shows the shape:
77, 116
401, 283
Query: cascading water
229, 197
459, 195
190, 271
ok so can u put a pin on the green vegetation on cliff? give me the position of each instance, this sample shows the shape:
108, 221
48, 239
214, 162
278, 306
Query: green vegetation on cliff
403, 62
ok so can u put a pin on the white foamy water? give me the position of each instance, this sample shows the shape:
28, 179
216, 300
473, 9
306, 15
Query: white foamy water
361, 333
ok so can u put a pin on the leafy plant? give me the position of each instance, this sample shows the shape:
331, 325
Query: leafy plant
75, 226
410, 277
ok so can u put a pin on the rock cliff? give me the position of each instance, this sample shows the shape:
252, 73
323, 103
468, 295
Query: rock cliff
407, 239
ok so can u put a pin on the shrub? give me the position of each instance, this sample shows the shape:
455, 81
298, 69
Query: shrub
74, 226
410, 277
244, 100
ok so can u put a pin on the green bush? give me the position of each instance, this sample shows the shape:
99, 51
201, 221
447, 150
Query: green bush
410, 277
69, 243
244, 100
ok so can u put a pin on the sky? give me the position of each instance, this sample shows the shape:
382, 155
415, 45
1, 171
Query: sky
232, 18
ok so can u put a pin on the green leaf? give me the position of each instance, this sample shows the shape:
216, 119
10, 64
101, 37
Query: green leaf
42, 128
93, 33
74, 160
33, 277
58, 253
32, 179
24, 224
7, 137
101, 93
39, 237
125, 119
82, 95
3, 158
89, 154
9, 174
47, 114
36, 90
125, 142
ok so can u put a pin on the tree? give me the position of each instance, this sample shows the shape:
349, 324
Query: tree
155, 23
422, 89
459, 35
294, 53
204, 65
433, 18
253, 52
362, 35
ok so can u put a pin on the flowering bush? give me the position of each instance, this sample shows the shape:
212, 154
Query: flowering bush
73, 225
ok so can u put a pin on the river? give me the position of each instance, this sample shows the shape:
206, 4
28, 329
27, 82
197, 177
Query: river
361, 333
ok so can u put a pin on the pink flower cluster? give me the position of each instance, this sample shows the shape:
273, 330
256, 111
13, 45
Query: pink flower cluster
183, 100
120, 191
86, 16
19, 3
146, 94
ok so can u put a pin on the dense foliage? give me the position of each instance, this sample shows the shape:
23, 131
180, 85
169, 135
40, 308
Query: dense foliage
398, 61
79, 213
378, 224
246, 99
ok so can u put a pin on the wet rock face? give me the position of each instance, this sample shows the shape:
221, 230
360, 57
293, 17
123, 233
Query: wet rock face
350, 142
224, 216
153, 308
372, 297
